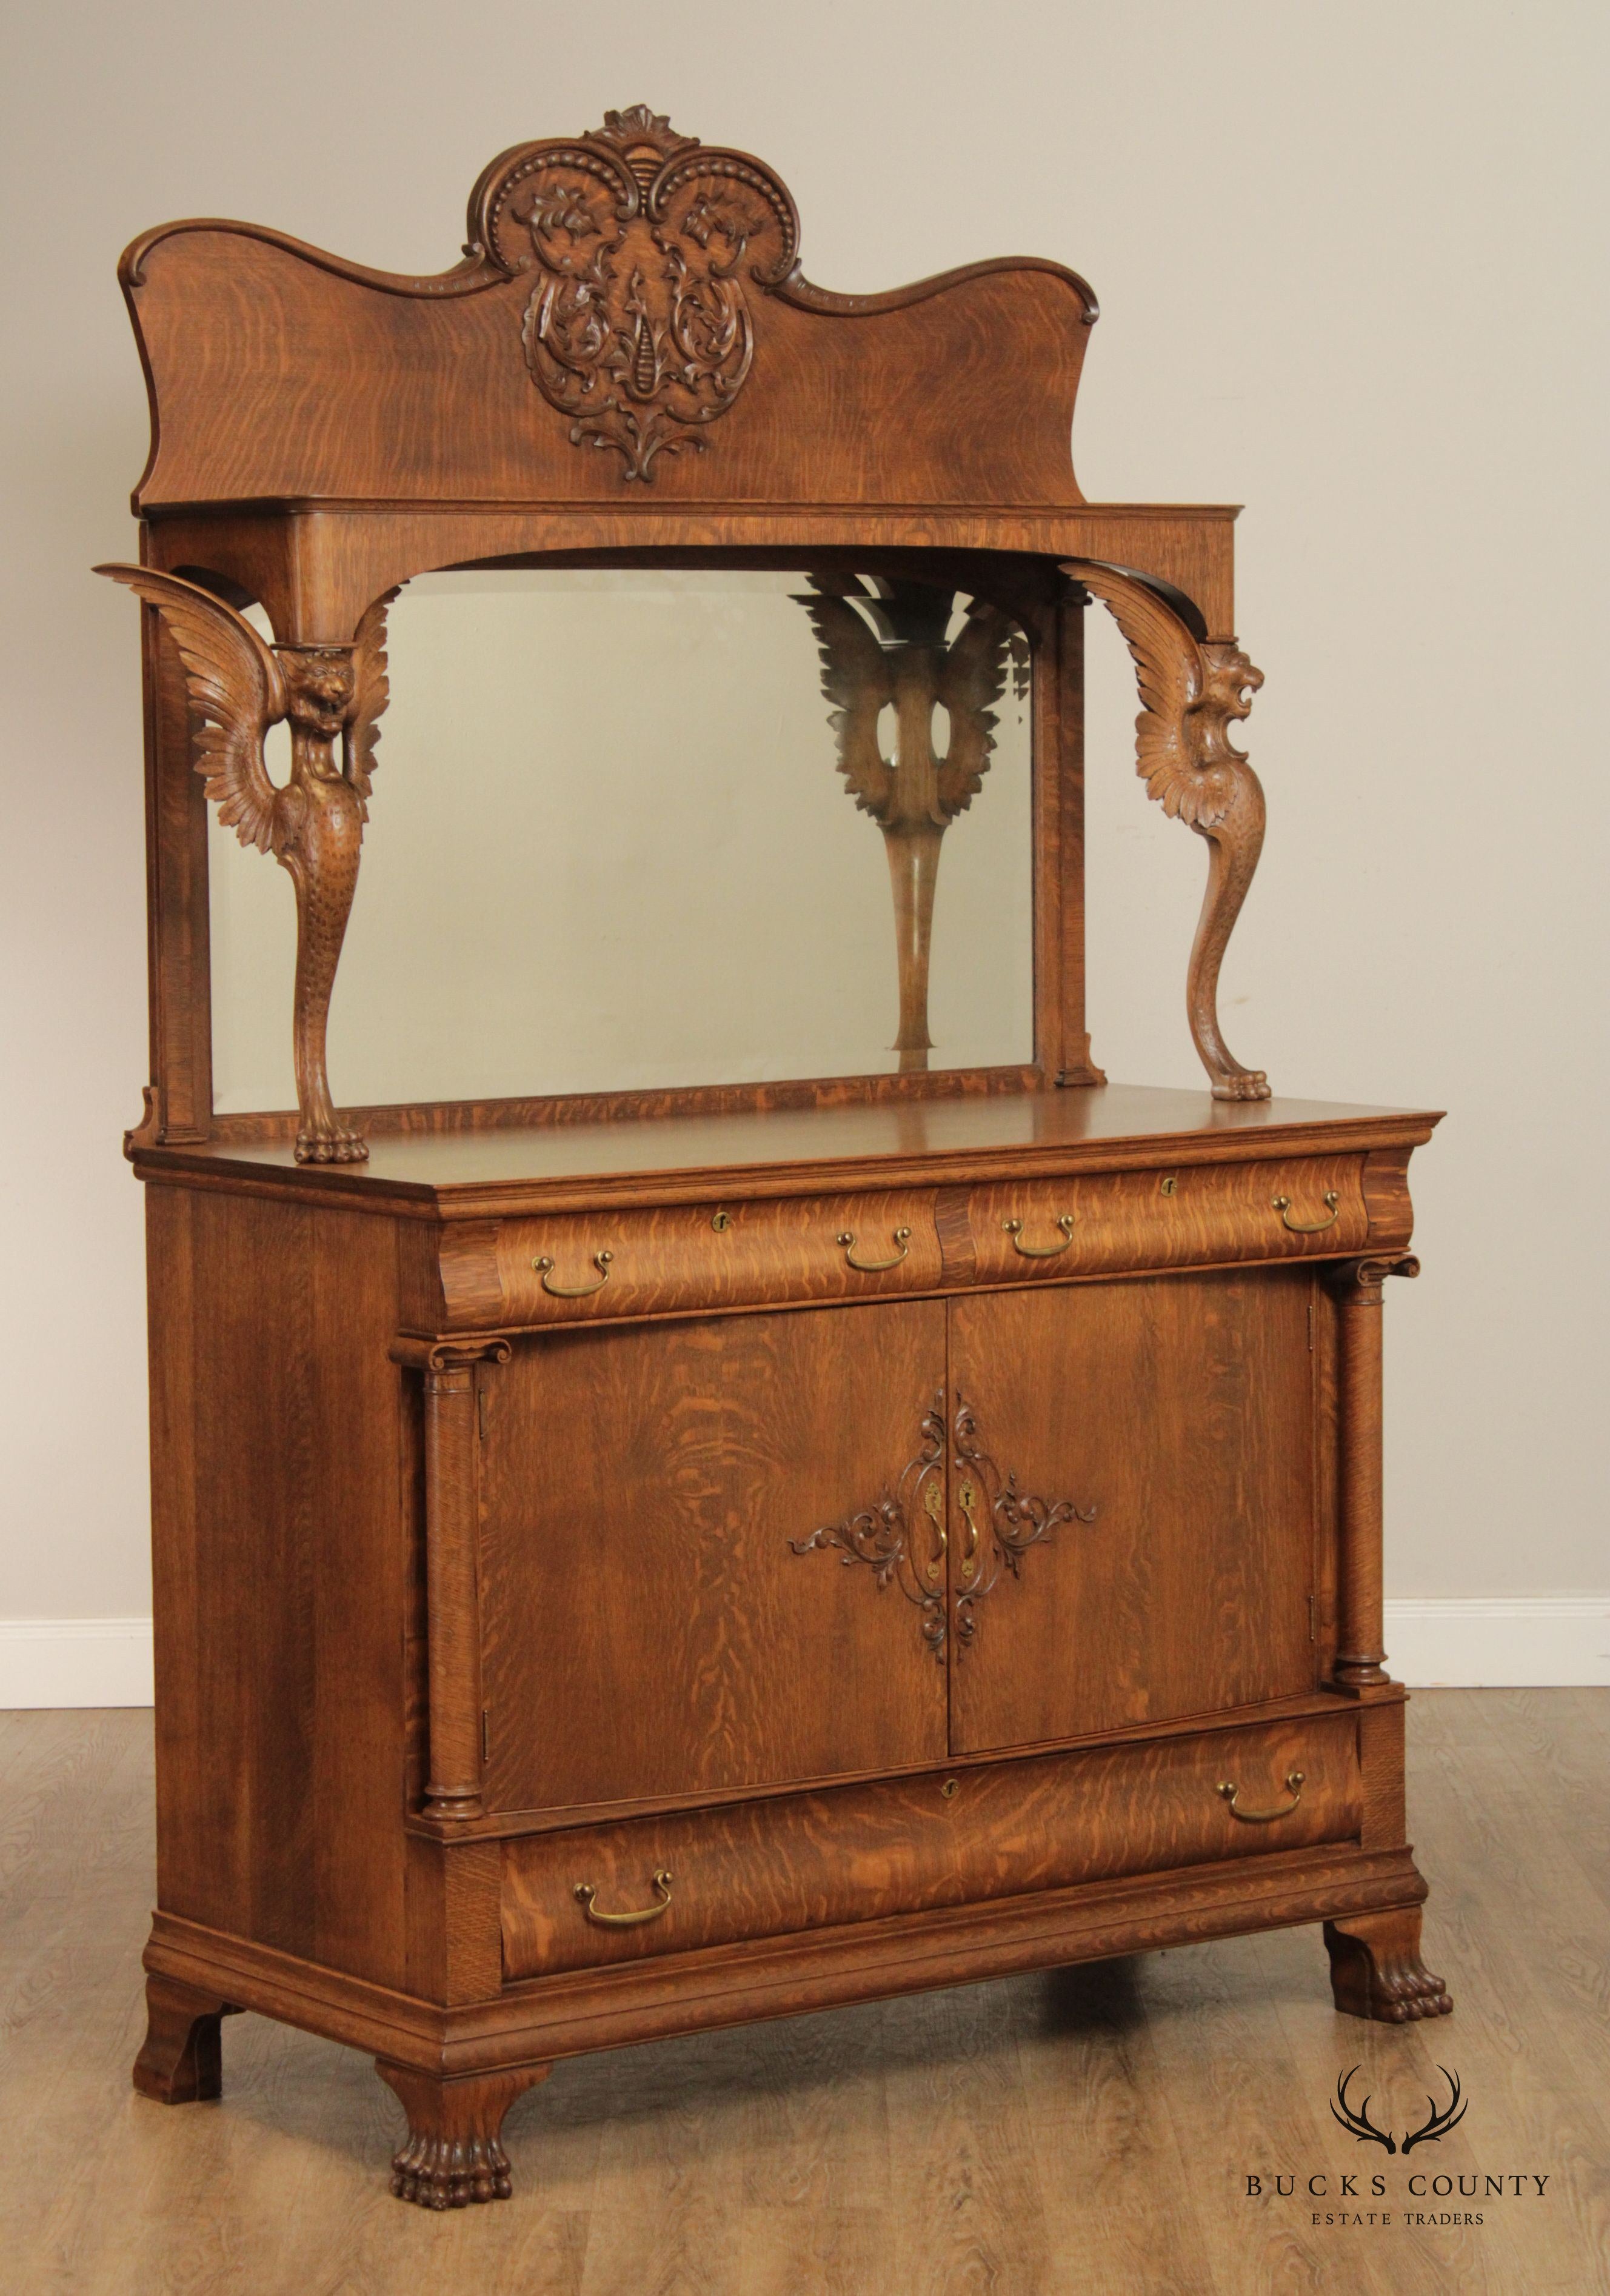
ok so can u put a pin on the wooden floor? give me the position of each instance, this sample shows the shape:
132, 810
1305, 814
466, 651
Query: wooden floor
1093, 2129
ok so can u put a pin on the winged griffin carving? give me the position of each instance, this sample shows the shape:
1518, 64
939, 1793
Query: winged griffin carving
238, 687
889, 650
1191, 690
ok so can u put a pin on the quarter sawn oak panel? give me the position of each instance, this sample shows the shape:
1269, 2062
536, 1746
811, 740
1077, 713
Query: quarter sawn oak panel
1181, 1408
857, 1853
649, 1629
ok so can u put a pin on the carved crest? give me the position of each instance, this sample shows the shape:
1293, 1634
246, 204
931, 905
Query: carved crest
646, 248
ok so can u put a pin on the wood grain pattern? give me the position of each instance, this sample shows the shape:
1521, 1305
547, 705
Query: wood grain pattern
676, 1259
278, 1645
1181, 1409
811, 1861
649, 1628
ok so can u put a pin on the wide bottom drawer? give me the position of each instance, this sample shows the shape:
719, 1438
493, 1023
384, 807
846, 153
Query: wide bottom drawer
669, 1884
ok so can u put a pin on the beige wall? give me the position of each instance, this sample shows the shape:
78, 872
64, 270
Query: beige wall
1350, 265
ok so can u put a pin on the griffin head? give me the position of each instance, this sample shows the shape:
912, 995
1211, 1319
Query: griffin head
320, 687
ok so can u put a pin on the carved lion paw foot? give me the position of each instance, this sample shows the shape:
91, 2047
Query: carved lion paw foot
1251, 1084
335, 1146
1403, 1991
454, 2156
1375, 1970
451, 2172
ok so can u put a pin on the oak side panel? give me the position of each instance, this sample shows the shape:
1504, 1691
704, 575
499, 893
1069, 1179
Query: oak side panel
1181, 1408
280, 1568
649, 1629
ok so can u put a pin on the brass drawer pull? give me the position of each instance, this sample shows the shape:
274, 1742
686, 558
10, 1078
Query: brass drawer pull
902, 1236
1283, 1205
544, 1268
1015, 1229
1293, 1786
585, 1893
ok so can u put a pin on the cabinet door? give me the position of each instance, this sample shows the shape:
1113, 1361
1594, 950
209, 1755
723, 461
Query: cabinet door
651, 1631
1177, 1413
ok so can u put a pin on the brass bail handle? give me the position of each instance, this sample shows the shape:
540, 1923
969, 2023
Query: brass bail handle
585, 1893
544, 1268
1293, 1786
1015, 1229
1283, 1205
902, 1236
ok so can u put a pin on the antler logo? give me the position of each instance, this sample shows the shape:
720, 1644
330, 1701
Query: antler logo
1361, 2124
1440, 2123
1431, 2130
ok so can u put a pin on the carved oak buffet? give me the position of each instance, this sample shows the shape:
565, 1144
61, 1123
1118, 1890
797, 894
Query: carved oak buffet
645, 1561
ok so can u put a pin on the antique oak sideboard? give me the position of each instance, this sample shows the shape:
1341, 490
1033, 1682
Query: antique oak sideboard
642, 1559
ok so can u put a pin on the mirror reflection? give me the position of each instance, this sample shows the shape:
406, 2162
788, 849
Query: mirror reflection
640, 828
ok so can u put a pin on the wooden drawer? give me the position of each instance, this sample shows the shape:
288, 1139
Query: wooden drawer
853, 1853
861, 1247
1106, 1222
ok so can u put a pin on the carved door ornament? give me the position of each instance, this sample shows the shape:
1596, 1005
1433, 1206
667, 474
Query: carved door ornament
889, 650
646, 248
238, 686
1192, 687
884, 1537
999, 1523
1017, 1520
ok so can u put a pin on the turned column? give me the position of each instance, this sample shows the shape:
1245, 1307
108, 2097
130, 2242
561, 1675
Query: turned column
1361, 1648
453, 1788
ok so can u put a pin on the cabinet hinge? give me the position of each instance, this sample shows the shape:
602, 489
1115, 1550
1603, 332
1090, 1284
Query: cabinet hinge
483, 1400
1310, 1328
486, 1730
1311, 1634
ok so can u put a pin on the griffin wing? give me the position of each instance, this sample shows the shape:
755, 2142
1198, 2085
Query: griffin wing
371, 692
855, 676
1169, 662
971, 677
235, 689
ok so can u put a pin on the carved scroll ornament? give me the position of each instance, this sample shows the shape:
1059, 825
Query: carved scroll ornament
333, 696
1191, 688
1017, 1521
883, 1535
889, 650
647, 248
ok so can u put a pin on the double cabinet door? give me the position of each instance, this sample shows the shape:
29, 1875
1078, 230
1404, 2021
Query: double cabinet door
754, 1550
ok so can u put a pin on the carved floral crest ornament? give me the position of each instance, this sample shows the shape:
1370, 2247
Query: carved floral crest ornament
646, 249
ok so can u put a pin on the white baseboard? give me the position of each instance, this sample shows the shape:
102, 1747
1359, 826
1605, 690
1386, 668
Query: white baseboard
1501, 1642
75, 1662
1541, 1641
